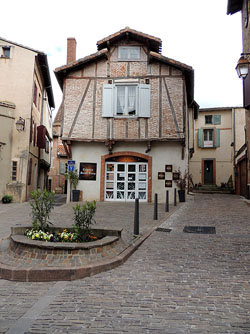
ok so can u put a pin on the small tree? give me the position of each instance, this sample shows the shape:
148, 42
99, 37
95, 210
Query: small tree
42, 203
83, 218
73, 178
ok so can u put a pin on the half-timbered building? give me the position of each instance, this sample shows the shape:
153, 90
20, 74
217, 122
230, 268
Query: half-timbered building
127, 117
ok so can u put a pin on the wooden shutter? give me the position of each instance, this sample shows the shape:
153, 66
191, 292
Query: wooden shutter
216, 137
200, 138
217, 119
108, 100
41, 136
144, 101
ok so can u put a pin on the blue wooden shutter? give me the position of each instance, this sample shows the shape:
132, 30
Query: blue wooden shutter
217, 119
144, 101
216, 137
200, 138
108, 100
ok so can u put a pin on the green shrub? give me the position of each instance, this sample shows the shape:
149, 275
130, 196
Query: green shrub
7, 198
83, 218
41, 204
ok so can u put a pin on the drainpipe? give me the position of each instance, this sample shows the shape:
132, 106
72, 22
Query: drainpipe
247, 191
234, 146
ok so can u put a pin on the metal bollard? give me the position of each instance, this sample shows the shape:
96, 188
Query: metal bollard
174, 196
167, 202
136, 217
156, 207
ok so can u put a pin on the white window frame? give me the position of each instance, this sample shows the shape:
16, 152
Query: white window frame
129, 52
210, 141
109, 100
126, 110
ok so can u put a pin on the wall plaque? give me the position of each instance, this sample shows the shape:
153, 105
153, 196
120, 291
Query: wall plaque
161, 175
168, 168
168, 183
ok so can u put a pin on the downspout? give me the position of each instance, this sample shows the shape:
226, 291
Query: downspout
247, 192
234, 148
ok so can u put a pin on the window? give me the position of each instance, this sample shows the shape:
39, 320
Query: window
14, 171
47, 145
128, 52
35, 94
208, 119
208, 138
213, 119
6, 52
126, 100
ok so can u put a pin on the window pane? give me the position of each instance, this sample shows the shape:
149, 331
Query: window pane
120, 100
131, 168
131, 100
109, 194
208, 119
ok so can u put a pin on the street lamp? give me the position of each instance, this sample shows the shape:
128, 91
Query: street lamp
20, 124
242, 67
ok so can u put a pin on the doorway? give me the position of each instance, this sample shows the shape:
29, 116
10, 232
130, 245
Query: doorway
126, 181
208, 171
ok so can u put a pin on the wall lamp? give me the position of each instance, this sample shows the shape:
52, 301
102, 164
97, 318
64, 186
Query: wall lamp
20, 124
242, 67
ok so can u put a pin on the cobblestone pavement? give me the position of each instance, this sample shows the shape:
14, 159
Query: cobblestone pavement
174, 283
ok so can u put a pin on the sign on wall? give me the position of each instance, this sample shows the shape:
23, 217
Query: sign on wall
87, 171
71, 165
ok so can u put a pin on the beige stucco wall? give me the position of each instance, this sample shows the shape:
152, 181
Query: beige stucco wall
162, 154
222, 154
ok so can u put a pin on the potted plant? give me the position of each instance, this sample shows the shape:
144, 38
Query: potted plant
7, 199
181, 182
73, 178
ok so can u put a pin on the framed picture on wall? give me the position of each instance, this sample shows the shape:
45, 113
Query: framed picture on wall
168, 183
161, 175
168, 168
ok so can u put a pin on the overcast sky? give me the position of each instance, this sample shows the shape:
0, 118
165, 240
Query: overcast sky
198, 33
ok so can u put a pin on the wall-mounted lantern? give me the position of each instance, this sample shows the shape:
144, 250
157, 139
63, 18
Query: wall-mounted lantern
242, 67
20, 124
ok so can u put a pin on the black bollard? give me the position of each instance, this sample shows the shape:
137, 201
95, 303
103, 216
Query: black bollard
174, 196
167, 202
136, 217
156, 207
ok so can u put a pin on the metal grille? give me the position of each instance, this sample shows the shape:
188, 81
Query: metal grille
200, 229
161, 229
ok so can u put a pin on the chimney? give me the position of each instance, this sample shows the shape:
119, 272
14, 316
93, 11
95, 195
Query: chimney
71, 49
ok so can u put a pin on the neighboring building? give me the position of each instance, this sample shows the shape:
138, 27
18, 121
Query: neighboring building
243, 169
26, 99
57, 181
126, 114
219, 136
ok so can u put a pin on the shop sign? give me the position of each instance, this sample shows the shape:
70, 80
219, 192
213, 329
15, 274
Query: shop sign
87, 171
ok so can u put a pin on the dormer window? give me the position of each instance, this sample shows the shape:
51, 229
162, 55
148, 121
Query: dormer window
129, 52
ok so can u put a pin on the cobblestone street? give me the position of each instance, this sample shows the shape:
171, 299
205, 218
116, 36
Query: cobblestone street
174, 283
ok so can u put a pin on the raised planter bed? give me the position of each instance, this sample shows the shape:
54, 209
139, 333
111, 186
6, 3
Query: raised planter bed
32, 260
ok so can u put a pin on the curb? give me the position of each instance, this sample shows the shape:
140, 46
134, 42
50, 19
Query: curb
33, 274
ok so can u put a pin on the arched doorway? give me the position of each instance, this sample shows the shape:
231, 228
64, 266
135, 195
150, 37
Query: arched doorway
126, 176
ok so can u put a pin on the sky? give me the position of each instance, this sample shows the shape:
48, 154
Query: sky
198, 33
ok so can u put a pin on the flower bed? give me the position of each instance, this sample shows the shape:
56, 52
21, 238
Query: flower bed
63, 236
